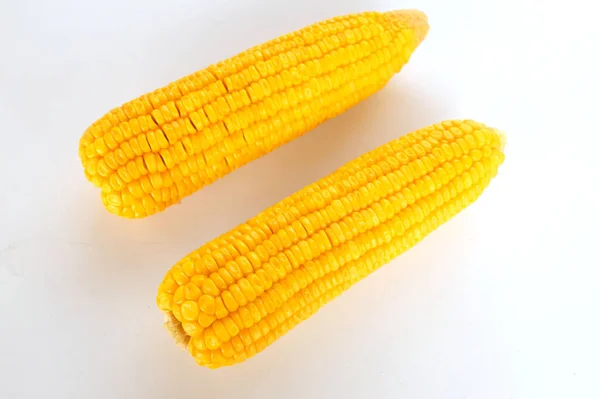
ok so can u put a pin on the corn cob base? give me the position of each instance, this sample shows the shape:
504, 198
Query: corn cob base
155, 150
239, 293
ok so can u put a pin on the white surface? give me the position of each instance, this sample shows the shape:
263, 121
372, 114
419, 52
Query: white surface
502, 302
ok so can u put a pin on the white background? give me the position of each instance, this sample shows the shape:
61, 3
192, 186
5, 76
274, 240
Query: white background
501, 302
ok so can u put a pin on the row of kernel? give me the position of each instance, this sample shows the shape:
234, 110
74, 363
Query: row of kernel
347, 184
305, 220
159, 98
125, 117
356, 185
346, 277
227, 255
146, 103
271, 49
250, 137
160, 136
247, 295
395, 223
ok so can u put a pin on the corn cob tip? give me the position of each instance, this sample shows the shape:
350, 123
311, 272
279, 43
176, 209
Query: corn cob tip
411, 19
502, 136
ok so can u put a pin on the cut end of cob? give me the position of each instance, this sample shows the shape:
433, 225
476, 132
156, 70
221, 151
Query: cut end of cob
176, 330
236, 295
153, 151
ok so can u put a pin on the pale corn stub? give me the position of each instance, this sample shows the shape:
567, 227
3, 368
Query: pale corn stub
153, 151
237, 294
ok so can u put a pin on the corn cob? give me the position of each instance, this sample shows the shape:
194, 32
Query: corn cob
235, 295
161, 147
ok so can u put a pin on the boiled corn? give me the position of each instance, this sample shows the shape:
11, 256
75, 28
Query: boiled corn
161, 147
237, 294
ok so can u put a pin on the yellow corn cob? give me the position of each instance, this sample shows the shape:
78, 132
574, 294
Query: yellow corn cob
151, 152
237, 294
